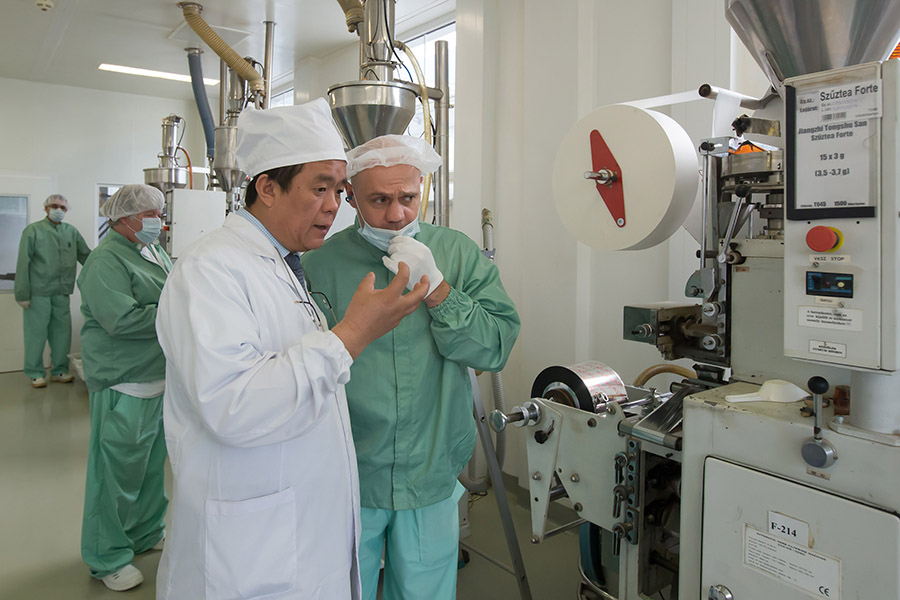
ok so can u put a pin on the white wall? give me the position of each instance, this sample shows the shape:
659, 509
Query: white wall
60, 139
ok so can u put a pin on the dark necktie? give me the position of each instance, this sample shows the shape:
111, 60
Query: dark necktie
293, 262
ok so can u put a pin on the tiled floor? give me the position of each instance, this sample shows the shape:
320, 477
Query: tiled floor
43, 453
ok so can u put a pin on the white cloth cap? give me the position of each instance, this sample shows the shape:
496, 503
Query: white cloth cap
391, 150
132, 199
287, 135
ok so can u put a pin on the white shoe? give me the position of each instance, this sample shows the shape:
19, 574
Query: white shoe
124, 579
66, 378
39, 382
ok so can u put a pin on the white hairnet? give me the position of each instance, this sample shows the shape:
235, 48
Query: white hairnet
132, 199
287, 135
390, 150
55, 199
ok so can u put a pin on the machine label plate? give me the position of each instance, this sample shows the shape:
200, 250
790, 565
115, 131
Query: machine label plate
843, 259
795, 564
843, 319
788, 527
834, 128
828, 348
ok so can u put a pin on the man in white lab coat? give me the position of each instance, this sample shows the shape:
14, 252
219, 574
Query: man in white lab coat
266, 499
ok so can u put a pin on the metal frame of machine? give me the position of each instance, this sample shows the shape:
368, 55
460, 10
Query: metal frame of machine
752, 500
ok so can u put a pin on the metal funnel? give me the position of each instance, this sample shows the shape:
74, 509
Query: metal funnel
796, 37
366, 109
225, 165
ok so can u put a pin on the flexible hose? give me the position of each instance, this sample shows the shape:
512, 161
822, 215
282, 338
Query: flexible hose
209, 127
426, 114
235, 61
353, 12
190, 168
655, 370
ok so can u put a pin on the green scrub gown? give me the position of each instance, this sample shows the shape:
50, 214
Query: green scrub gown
410, 400
125, 499
45, 276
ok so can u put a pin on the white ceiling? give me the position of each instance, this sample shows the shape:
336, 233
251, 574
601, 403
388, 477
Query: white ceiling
66, 44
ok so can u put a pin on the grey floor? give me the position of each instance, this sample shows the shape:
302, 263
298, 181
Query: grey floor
43, 453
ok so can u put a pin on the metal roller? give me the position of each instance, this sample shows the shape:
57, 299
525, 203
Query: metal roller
589, 386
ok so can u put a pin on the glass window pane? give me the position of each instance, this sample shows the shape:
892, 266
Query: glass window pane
13, 219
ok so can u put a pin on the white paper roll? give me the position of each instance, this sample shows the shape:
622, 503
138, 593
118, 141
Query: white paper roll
659, 175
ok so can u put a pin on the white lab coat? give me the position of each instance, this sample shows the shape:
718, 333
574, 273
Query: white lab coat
266, 498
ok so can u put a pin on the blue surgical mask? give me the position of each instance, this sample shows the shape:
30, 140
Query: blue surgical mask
150, 229
381, 238
57, 215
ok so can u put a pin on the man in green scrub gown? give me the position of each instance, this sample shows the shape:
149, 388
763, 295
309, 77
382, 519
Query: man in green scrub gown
45, 278
409, 393
125, 498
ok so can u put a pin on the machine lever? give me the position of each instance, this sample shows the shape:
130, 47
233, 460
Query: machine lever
742, 191
520, 416
816, 451
621, 461
620, 530
621, 493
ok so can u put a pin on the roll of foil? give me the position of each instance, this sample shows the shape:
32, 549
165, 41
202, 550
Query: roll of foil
587, 386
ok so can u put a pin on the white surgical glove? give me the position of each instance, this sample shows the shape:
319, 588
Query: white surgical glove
417, 257
26, 304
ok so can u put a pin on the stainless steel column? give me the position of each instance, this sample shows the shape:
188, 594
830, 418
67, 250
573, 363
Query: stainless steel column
267, 62
442, 136
223, 90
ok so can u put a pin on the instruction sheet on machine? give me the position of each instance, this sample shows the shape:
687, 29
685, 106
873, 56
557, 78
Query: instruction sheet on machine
834, 127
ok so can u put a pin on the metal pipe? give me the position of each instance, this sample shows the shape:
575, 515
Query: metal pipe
648, 435
704, 208
267, 62
562, 528
442, 141
223, 90
378, 26
487, 557
711, 92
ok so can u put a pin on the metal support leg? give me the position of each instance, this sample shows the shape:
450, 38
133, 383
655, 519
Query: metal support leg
500, 492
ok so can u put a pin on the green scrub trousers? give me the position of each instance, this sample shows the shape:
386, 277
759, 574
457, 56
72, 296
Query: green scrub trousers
125, 497
48, 319
420, 546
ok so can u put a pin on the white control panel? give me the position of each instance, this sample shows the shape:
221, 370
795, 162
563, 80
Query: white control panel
841, 208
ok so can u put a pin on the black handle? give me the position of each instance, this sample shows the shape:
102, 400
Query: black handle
817, 385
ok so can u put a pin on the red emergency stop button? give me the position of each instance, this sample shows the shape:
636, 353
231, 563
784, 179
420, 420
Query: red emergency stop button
823, 239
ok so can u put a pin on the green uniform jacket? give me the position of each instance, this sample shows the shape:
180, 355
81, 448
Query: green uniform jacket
46, 263
119, 294
409, 393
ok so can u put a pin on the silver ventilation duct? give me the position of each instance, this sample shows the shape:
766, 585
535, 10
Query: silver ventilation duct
796, 37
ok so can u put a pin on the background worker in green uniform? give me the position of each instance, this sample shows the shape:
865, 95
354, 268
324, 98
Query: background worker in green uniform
409, 393
125, 498
45, 278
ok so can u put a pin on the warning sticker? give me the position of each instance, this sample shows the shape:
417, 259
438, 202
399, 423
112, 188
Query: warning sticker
795, 564
831, 318
828, 348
